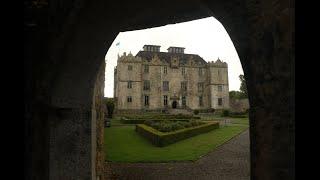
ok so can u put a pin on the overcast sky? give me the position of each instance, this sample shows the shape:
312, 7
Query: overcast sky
205, 37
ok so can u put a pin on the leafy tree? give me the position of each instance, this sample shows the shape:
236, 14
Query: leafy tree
236, 95
243, 86
110, 106
243, 93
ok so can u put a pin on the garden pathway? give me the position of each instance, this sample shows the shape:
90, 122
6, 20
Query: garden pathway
229, 161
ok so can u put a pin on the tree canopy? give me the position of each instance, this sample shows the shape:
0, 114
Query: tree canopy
243, 93
243, 86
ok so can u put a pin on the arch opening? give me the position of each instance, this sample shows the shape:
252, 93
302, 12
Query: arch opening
122, 58
60, 81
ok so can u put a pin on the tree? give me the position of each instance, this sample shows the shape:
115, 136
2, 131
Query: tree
234, 94
110, 106
243, 86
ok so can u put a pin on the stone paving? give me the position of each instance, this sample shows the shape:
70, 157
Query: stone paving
230, 161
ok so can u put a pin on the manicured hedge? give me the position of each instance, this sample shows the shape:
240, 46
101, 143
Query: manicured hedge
163, 139
161, 116
238, 116
141, 121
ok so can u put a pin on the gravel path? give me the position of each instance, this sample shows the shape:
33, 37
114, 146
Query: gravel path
230, 161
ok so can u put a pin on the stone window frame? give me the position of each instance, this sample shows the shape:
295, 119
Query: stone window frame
183, 70
184, 101
129, 86
201, 101
200, 71
165, 100
146, 85
220, 88
200, 86
165, 85
165, 70
129, 99
130, 67
146, 68
146, 100
220, 101
184, 86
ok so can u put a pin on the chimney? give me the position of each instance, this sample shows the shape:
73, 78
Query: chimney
151, 48
172, 49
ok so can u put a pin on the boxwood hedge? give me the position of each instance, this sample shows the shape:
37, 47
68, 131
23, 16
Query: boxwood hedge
141, 121
163, 139
161, 116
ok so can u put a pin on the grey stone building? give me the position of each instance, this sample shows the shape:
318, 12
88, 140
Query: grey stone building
155, 81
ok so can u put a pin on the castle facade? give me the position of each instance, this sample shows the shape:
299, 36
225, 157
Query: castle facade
153, 80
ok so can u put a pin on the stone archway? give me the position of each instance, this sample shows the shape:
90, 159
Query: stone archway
65, 46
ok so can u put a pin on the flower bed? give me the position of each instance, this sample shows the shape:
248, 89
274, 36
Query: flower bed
161, 139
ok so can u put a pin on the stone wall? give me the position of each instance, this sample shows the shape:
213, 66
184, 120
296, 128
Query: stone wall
214, 74
66, 41
100, 110
239, 105
122, 77
218, 76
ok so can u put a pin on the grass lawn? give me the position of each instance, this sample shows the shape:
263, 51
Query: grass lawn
123, 144
243, 121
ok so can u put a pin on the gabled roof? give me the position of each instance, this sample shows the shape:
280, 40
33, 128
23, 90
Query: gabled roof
165, 56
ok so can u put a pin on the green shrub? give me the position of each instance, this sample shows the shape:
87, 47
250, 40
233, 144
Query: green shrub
148, 122
161, 116
163, 139
125, 120
225, 113
169, 125
238, 114
132, 121
109, 102
177, 126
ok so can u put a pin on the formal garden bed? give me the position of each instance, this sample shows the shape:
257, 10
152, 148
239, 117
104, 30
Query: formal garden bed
165, 133
124, 144
140, 119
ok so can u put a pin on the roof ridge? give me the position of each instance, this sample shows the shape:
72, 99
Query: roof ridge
165, 56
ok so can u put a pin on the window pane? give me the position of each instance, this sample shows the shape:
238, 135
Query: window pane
146, 68
129, 84
146, 85
165, 100
129, 99
146, 100
165, 85
184, 101
165, 69
200, 71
